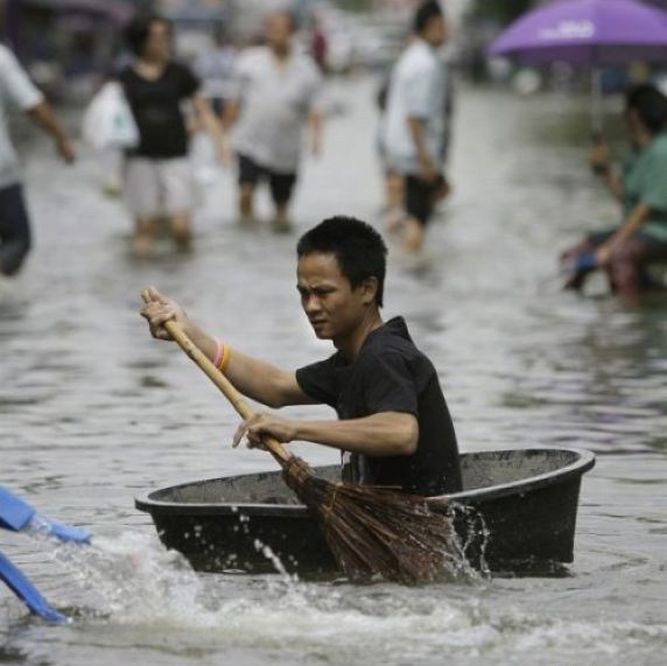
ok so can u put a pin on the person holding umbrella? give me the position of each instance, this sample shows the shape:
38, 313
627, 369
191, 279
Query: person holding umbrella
641, 188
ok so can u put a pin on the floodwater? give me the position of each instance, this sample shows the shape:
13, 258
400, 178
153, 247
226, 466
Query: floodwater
94, 412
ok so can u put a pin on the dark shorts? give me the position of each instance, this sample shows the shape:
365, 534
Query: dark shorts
280, 184
419, 198
14, 229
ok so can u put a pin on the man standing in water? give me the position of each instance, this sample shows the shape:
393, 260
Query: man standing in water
17, 90
394, 428
415, 123
277, 96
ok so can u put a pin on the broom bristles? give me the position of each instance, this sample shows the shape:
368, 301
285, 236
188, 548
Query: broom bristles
375, 531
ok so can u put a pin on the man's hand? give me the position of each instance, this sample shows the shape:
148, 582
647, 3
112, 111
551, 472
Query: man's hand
161, 309
224, 154
260, 425
602, 255
427, 171
65, 150
600, 157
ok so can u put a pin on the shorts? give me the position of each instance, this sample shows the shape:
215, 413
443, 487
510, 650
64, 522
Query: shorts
280, 184
157, 187
419, 200
14, 229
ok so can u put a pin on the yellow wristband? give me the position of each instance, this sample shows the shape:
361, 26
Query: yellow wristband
224, 357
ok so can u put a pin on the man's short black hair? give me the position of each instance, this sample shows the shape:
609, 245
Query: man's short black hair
136, 33
650, 104
359, 249
425, 12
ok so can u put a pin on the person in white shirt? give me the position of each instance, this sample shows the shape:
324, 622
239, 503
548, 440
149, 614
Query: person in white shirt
18, 92
278, 90
414, 129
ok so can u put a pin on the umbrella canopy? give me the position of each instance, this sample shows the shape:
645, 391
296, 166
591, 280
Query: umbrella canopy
586, 32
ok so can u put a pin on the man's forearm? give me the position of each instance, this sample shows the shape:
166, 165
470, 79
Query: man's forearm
43, 115
261, 381
252, 377
230, 113
384, 434
209, 120
316, 124
632, 223
613, 182
417, 133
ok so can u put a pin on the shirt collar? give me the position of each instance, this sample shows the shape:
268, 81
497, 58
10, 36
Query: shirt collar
394, 326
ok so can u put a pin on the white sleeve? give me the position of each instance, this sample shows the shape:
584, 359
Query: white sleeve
16, 86
418, 91
241, 75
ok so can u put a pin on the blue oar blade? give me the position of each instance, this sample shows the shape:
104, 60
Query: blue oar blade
18, 515
27, 592
15, 514
43, 525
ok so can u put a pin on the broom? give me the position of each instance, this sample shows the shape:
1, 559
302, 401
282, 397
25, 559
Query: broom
372, 531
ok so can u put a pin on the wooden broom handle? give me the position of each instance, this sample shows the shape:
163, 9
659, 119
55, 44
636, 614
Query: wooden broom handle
275, 448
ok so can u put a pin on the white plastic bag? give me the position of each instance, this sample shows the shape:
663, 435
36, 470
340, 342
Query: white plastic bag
108, 121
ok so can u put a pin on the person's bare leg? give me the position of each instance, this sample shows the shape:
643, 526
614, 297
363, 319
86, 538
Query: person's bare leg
181, 231
246, 203
393, 190
281, 219
412, 235
144, 237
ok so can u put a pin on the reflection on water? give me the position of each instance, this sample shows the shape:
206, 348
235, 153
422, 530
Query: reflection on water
93, 412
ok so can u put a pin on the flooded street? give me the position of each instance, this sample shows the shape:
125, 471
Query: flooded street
93, 411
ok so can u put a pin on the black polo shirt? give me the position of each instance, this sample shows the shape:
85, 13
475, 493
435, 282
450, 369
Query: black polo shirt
156, 106
391, 375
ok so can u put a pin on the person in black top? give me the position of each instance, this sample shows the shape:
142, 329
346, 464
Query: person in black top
158, 179
393, 418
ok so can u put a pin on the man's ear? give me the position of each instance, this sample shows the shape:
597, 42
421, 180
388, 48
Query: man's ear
370, 290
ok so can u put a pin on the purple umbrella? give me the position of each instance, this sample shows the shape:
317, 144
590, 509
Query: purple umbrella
586, 32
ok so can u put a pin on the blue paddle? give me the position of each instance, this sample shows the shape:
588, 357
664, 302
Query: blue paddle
27, 592
18, 516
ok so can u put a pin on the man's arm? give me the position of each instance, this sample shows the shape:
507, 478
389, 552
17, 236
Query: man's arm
382, 434
427, 170
635, 219
211, 124
258, 380
600, 161
316, 124
231, 113
42, 115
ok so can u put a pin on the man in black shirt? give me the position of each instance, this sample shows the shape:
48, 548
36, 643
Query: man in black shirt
393, 418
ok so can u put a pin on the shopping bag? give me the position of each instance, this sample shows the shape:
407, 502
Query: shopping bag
108, 121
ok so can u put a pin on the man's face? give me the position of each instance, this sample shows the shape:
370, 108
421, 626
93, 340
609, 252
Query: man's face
278, 31
333, 308
436, 32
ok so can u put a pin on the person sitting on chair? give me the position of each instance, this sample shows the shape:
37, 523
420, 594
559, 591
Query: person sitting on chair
641, 188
